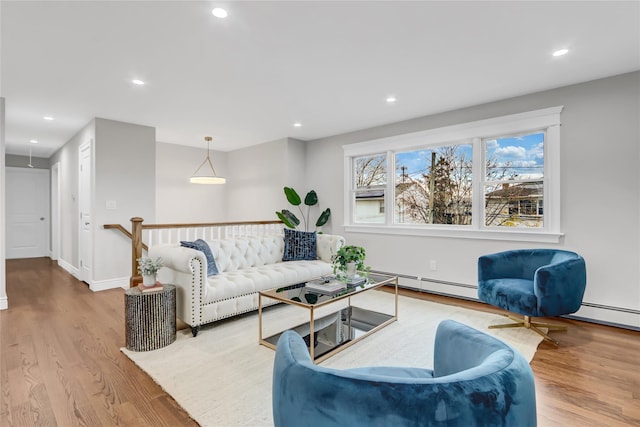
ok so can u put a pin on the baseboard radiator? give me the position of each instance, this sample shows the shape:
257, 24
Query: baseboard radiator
468, 286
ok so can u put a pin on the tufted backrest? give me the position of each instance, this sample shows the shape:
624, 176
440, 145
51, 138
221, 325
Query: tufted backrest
244, 252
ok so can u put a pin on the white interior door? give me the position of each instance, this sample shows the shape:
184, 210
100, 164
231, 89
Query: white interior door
27, 212
84, 204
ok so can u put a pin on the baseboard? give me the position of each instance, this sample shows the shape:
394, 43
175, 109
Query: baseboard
75, 272
103, 285
589, 312
4, 303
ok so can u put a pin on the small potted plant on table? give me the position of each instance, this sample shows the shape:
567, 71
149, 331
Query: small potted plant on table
148, 268
348, 261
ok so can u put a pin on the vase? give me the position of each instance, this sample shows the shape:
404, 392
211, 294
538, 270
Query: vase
351, 270
148, 279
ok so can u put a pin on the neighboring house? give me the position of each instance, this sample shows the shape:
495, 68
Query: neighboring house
370, 206
516, 205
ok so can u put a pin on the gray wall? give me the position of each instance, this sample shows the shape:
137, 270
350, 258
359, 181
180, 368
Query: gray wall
17, 161
123, 172
600, 190
259, 173
178, 200
67, 157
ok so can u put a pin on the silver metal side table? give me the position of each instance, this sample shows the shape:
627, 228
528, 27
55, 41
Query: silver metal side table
150, 318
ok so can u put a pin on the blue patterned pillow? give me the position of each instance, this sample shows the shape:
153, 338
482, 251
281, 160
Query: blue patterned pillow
299, 245
202, 246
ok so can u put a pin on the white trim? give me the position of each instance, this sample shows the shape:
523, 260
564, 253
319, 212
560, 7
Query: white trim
103, 285
55, 211
547, 120
4, 300
459, 232
497, 126
69, 268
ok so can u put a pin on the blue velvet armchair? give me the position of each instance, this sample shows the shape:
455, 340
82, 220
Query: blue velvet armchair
533, 283
477, 380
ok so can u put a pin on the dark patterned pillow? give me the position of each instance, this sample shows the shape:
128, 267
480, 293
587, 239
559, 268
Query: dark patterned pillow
299, 245
202, 246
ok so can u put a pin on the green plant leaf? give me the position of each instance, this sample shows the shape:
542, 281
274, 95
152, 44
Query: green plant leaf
311, 198
292, 196
288, 218
324, 217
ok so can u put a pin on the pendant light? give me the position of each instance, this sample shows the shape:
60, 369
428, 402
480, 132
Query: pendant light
206, 174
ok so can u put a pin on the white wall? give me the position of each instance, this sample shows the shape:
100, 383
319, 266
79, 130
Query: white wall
600, 191
178, 200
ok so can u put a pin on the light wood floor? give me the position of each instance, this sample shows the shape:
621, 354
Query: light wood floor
60, 362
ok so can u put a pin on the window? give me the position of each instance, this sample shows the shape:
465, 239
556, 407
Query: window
434, 185
460, 181
370, 177
514, 181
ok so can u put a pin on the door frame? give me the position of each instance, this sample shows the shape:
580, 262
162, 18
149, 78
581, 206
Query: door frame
88, 145
55, 211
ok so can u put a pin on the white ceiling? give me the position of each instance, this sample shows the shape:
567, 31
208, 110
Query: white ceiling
329, 65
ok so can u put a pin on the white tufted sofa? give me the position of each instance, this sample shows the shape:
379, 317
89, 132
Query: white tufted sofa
246, 265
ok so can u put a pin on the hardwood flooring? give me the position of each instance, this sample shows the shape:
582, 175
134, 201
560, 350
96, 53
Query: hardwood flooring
61, 365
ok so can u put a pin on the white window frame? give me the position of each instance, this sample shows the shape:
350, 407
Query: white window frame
547, 120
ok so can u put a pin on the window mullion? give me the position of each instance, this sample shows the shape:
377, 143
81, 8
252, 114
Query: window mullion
478, 172
390, 193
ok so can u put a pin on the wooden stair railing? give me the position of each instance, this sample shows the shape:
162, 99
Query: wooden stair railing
137, 226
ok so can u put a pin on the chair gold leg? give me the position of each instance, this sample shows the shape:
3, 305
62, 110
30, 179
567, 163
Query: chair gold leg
534, 326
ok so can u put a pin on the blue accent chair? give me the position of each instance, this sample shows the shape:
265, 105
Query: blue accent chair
477, 380
533, 283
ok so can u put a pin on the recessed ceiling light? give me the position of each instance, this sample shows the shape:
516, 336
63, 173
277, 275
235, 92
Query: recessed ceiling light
297, 124
560, 52
48, 118
391, 99
33, 141
137, 82
219, 12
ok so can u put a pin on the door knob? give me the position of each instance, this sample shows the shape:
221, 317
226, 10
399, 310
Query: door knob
41, 218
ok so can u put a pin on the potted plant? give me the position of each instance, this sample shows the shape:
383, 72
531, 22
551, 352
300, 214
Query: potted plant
311, 199
348, 260
148, 268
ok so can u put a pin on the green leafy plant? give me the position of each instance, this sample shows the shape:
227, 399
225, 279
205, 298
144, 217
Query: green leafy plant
149, 266
347, 254
311, 199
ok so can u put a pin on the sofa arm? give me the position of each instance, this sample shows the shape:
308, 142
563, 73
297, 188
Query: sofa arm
186, 269
176, 257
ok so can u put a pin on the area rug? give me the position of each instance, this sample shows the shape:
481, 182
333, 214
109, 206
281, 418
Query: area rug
223, 376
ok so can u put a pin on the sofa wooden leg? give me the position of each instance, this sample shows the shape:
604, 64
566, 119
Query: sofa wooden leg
195, 330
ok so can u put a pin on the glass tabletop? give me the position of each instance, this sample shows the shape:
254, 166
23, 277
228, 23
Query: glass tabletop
300, 294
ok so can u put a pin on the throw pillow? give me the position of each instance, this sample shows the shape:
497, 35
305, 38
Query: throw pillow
202, 246
299, 245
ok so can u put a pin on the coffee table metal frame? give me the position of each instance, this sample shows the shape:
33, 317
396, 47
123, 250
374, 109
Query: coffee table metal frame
375, 281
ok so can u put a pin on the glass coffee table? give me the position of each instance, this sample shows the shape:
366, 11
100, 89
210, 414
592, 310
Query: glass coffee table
339, 323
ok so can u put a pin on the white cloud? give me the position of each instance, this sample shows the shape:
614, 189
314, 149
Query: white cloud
512, 151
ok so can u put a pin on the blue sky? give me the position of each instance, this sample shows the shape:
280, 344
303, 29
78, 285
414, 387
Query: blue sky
524, 154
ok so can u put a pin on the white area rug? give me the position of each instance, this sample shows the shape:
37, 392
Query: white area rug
223, 376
